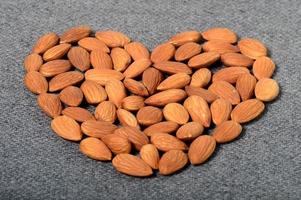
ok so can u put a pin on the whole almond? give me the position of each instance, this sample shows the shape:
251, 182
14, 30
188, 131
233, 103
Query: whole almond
219, 33
127, 118
245, 86
205, 94
55, 67
149, 115
165, 142
133, 103
150, 155
56, 52
151, 78
79, 58
220, 110
229, 74
137, 68
116, 92
33, 62
187, 51
226, 131
236, 59
66, 128
117, 144
75, 33
120, 58
252, 48
113, 38
164, 127
91, 43
131, 165
201, 149
135, 87
198, 110
172, 161
71, 96
200, 78
171, 67
94, 148
78, 114
35, 82
220, 47
163, 52
175, 81
93, 92
266, 89
175, 112
190, 131
263, 67
205, 59
184, 37
65, 79
134, 135
226, 91
102, 76
101, 60
45, 42
165, 97
137, 50
247, 110
97, 129
50, 104
106, 111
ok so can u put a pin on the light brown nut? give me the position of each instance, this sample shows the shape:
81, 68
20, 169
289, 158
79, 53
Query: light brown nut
79, 58
245, 86
266, 89
134, 135
220, 47
33, 62
263, 67
219, 33
71, 96
50, 104
151, 78
200, 78
78, 114
120, 58
164, 127
236, 59
165, 142
137, 50
226, 131
91, 43
65, 79
205, 94
190, 131
56, 52
127, 118
229, 74
94, 148
135, 87
172, 161
75, 33
132, 103
175, 112
175, 81
97, 129
115, 91
163, 52
100, 60
35, 82
55, 67
171, 67
45, 42
149, 115
66, 128
106, 111
247, 110
117, 144
137, 68
220, 110
93, 92
149, 153
165, 97
252, 48
113, 38
102, 76
226, 91
205, 59
184, 37
187, 51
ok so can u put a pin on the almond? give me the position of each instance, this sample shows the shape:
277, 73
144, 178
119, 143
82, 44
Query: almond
266, 89
150, 155
164, 127
201, 149
65, 79
133, 103
200, 78
56, 52
165, 142
175, 81
205, 59
187, 51
127, 118
121, 59
172, 161
226, 131
71, 96
55, 67
219, 33
245, 85
137, 50
190, 131
116, 92
184, 37
77, 113
137, 68
97, 129
175, 112
220, 110
134, 135
165, 97
229, 74
50, 104
91, 44
151, 78
149, 115
236, 59
171, 67
106, 111
94, 148
252, 48
117, 144
79, 58
35, 82
113, 38
205, 94
226, 91
198, 110
263, 67
75, 33
45, 42
33, 62
220, 47
131, 165
247, 110
66, 128
93, 92
135, 87
102, 76
101, 60
163, 52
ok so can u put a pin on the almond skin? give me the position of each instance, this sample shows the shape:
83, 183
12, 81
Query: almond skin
65, 79
135, 87
106, 111
137, 68
127, 118
79, 58
201, 149
66, 128
35, 82
132, 102
245, 85
134, 135
50, 104
226, 91
172, 161
165, 127
131, 165
56, 52
198, 110
71, 96
263, 67
102, 76
33, 62
91, 43
163, 52
226, 131
137, 50
205, 94
93, 92
252, 48
184, 37
229, 74
120, 58
165, 142
116, 92
219, 33
220, 47
75, 33
113, 38
171, 67
151, 78
175, 81
117, 144
187, 51
205, 59
247, 110
165, 97
45, 42
94, 148
55, 67
101, 60
149, 115
220, 111
97, 129
149, 153
190, 131
266, 89
236, 59
200, 78
175, 112
78, 114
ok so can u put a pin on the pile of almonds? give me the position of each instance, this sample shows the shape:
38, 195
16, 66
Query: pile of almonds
153, 110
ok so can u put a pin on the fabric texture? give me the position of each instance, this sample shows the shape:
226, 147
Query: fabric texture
264, 163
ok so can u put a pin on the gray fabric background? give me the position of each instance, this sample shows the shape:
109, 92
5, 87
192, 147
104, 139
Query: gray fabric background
265, 163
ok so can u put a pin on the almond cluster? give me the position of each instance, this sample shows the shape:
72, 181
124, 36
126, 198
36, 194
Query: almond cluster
153, 109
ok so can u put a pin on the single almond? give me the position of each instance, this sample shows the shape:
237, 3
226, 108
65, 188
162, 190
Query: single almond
165, 97
164, 127
33, 62
94, 93
165, 142
226, 131
149, 115
106, 111
102, 76
97, 129
55, 67
127, 118
101, 60
266, 89
201, 149
45, 42
116, 92
113, 38
78, 114
171, 67
187, 51
135, 87
220, 110
252, 48
137, 50
56, 52
74, 34
198, 110
35, 82
263, 67
245, 86
133, 102
236, 59
120, 58
200, 78
163, 52
66, 128
137, 68
65, 79
175, 112
205, 59
175, 81
117, 144
220, 47
71, 96
190, 131
91, 44
79, 58
172, 161
184, 37
226, 91
151, 78
134, 135
131, 165
229, 74
50, 104
205, 94
94, 148
247, 110
219, 33
149, 153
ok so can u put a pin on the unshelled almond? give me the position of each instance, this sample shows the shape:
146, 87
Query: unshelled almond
247, 110
94, 93
66, 128
137, 68
113, 38
56, 52
50, 104
175, 81
220, 47
190, 131
71, 96
166, 142
134, 135
91, 43
226, 131
236, 59
94, 148
75, 33
164, 127
137, 50
65, 79
117, 144
115, 91
151, 78
172, 161
127, 118
226, 91
220, 110
101, 60
135, 87
184, 37
219, 33
97, 129
200, 78
35, 82
205, 94
245, 86
252, 48
79, 58
149, 115
120, 58
266, 89
149, 153
175, 112
106, 111
263, 67
163, 52
165, 97
187, 51
132, 102
55, 67
205, 59
102, 76
78, 114
229, 74
172, 67
45, 42
33, 62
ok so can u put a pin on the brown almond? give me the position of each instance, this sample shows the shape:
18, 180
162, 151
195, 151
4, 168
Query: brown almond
226, 91
133, 102
200, 78
164, 127
175, 81
102, 76
79, 58
101, 60
35, 82
163, 52
220, 47
149, 153
172, 161
245, 86
219, 33
33, 62
252, 48
134, 135
50, 104
91, 44
229, 74
135, 87
149, 115
205, 94
184, 37
93, 92
94, 148
190, 131
66, 128
120, 58
266, 89
226, 131
106, 111
45, 42
56, 52
116, 92
175, 112
78, 114
137, 50
97, 129
65, 79
220, 110
137, 68
127, 118
71, 96
117, 144
113, 38
247, 110
171, 67
75, 33
151, 78
263, 67
236, 59
205, 59
165, 142
187, 51
55, 67
165, 97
